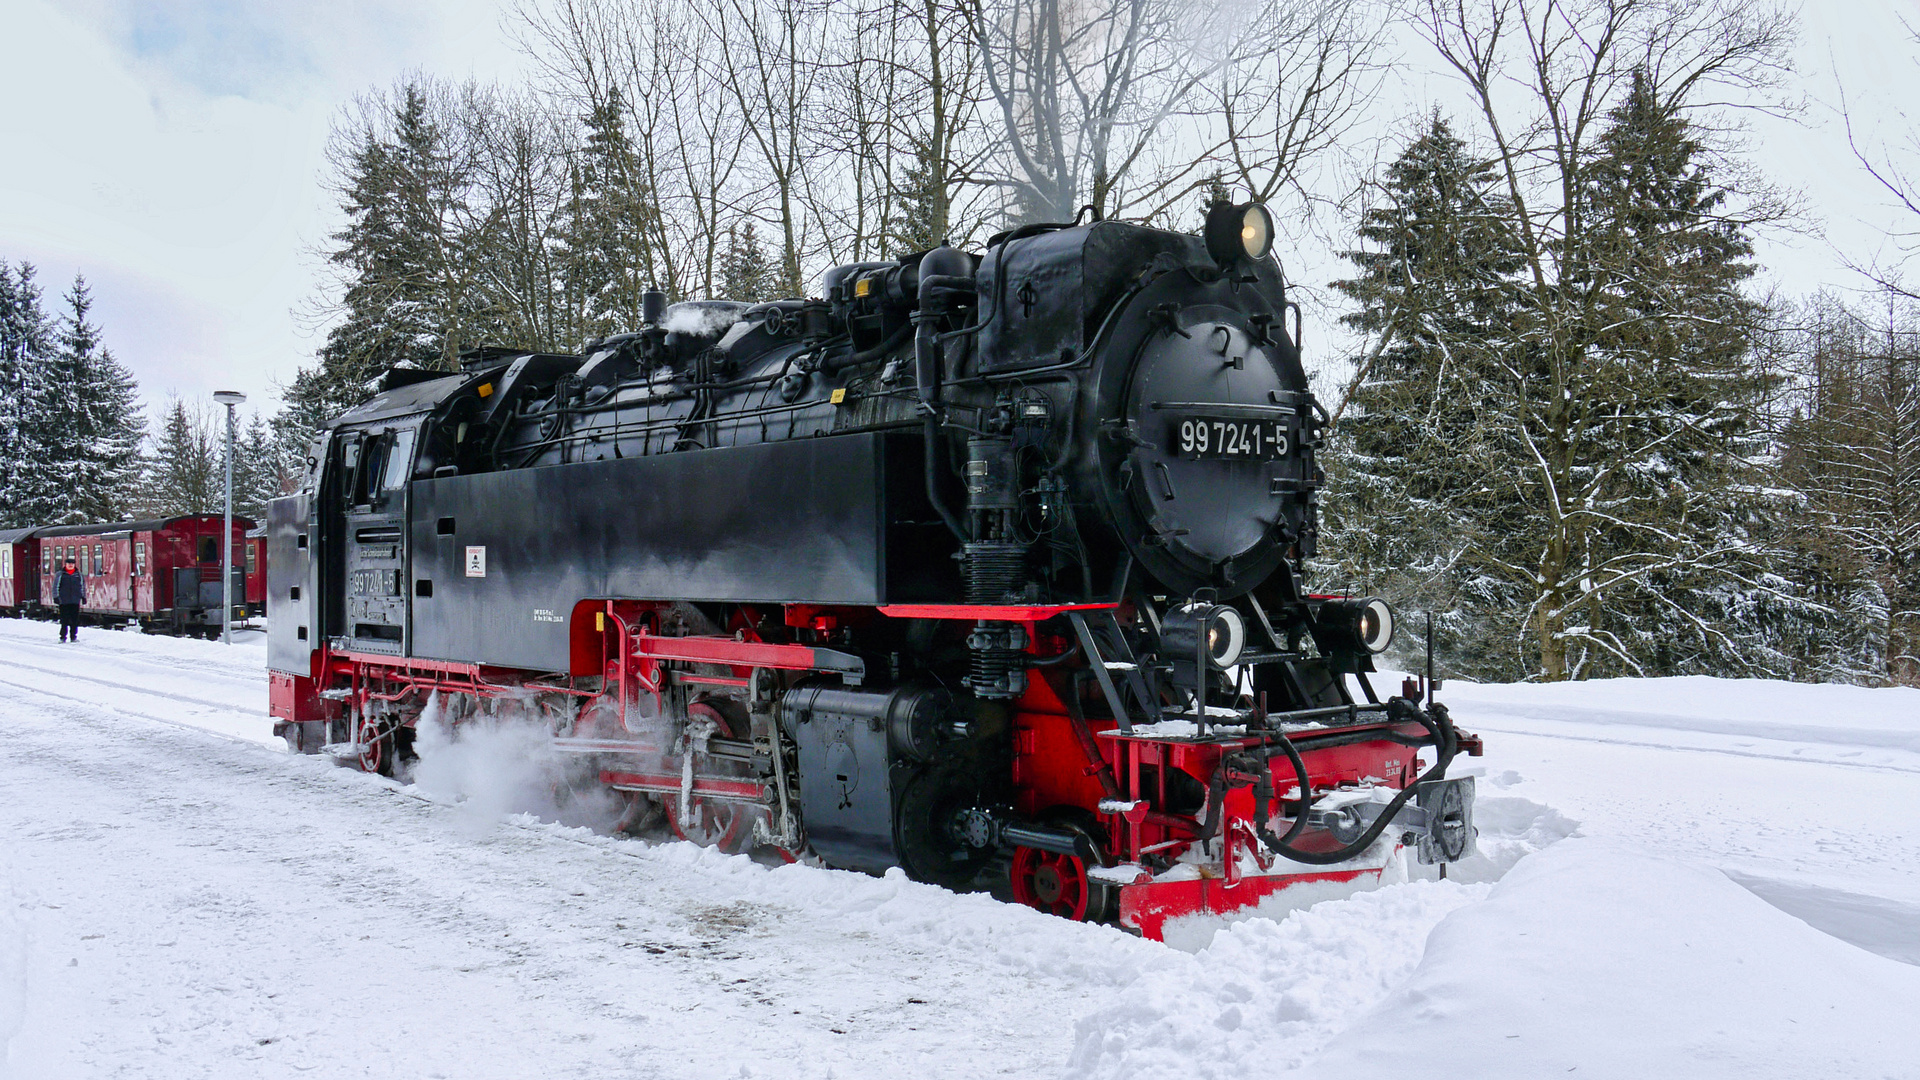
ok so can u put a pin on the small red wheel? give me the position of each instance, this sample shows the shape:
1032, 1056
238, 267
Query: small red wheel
372, 741
1054, 883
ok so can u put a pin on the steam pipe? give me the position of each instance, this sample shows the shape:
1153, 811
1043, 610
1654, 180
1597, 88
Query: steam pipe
937, 268
894, 341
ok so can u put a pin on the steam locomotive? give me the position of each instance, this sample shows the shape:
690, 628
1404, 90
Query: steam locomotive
979, 564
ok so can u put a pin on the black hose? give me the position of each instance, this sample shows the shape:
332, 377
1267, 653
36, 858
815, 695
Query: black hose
1447, 743
1216, 796
1263, 794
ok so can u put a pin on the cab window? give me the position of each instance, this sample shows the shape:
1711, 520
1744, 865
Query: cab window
399, 460
350, 469
373, 467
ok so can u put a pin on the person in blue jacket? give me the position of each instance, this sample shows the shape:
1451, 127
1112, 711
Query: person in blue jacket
70, 591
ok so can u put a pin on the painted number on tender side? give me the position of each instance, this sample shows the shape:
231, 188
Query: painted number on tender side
477, 561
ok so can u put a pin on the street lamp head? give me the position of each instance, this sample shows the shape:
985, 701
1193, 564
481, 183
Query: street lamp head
229, 398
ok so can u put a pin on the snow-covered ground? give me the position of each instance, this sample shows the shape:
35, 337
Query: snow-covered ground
1685, 877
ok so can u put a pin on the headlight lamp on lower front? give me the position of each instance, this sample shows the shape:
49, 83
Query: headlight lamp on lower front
1219, 626
1355, 625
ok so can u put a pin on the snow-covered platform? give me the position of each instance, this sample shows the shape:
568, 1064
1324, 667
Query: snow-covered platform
1664, 867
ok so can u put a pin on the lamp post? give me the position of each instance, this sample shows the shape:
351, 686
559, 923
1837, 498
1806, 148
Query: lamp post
229, 398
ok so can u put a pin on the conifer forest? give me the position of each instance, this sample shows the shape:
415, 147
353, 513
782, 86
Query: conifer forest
1568, 420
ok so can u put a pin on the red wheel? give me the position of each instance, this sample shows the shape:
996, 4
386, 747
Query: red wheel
1054, 883
709, 822
373, 753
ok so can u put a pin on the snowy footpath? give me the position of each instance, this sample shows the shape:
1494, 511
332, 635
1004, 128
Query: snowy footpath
1681, 877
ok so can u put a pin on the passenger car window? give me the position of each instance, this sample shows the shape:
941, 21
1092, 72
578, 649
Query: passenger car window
209, 549
140, 559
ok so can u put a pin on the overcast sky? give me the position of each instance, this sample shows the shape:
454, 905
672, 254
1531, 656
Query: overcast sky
173, 153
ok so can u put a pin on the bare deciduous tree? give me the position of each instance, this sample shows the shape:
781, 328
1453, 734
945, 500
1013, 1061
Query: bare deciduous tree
1853, 453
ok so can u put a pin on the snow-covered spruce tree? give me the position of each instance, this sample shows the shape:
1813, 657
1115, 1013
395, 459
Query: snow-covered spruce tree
1664, 569
921, 222
1413, 510
1599, 410
1852, 452
35, 485
185, 474
259, 471
381, 323
107, 427
606, 255
745, 271
455, 198
14, 350
408, 279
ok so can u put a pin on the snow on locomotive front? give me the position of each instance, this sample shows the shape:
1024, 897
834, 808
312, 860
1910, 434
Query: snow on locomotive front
977, 565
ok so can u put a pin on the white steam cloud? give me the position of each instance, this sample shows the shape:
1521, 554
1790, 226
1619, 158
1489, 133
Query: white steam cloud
498, 761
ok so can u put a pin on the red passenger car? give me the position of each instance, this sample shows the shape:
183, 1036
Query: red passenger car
162, 574
19, 571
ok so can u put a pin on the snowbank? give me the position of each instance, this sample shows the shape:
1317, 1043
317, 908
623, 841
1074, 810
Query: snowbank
1593, 957
1881, 718
1264, 995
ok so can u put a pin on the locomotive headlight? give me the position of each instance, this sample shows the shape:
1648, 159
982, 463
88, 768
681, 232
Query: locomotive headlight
1375, 625
1239, 233
1219, 626
1358, 625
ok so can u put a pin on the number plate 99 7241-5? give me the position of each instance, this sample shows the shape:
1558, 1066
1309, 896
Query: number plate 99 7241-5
1226, 437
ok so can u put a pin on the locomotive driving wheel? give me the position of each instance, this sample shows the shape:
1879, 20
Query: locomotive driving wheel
709, 822
716, 823
374, 740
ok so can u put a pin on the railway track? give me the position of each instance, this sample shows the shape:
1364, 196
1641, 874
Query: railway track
1468, 721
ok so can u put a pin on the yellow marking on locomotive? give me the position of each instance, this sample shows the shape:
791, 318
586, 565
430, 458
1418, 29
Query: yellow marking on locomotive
486, 389
839, 395
863, 287
599, 622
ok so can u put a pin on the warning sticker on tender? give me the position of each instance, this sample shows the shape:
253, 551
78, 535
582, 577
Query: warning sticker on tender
477, 562
543, 615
